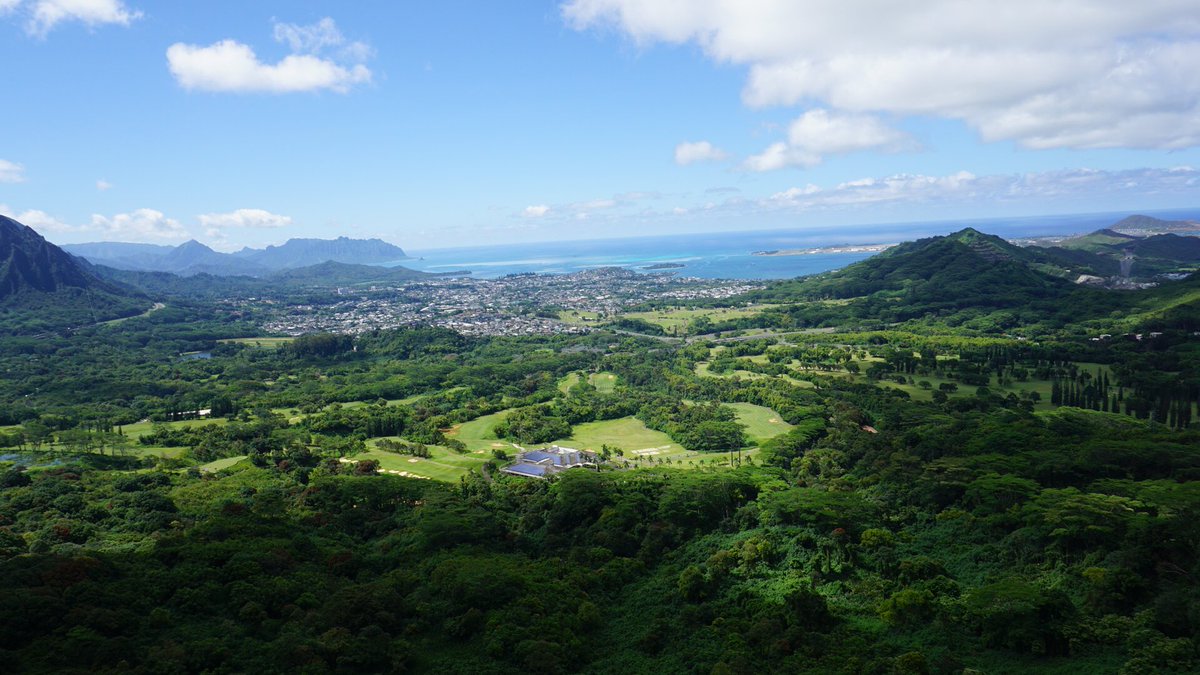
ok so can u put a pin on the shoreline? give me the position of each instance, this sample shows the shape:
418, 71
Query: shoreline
858, 248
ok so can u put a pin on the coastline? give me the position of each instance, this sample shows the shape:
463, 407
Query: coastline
859, 248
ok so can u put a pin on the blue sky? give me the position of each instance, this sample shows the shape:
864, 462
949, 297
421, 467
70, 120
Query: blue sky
466, 123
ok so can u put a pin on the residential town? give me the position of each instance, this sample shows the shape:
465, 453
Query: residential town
522, 304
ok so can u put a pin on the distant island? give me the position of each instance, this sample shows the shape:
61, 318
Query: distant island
860, 248
664, 266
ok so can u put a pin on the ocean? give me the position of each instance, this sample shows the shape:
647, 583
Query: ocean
728, 255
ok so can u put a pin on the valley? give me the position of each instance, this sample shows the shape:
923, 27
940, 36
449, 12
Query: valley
801, 475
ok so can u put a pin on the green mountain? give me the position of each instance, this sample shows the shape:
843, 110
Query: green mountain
1142, 224
192, 257
968, 276
967, 267
304, 252
43, 287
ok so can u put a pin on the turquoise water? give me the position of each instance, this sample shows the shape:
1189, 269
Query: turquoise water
727, 255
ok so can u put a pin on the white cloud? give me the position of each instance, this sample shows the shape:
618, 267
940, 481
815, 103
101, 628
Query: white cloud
536, 211
319, 37
818, 133
1072, 74
103, 185
699, 151
46, 14
11, 172
243, 218
966, 187
7, 6
796, 192
38, 220
230, 66
140, 225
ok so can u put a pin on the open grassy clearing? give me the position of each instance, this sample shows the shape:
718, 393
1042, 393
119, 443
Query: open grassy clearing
136, 431
569, 380
604, 382
261, 342
580, 318
641, 445
677, 320
762, 423
218, 464
919, 393
444, 465
478, 436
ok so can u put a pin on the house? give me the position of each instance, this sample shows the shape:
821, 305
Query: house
550, 461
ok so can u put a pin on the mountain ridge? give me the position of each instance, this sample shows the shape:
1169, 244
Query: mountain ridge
192, 257
42, 287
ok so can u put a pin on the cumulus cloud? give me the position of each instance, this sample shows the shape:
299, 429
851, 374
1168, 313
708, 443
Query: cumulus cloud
11, 172
38, 220
535, 211
45, 15
7, 6
230, 66
140, 225
818, 133
1075, 74
103, 185
699, 151
242, 218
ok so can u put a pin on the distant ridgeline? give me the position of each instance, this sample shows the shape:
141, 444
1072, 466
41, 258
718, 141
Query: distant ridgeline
192, 257
1137, 247
44, 288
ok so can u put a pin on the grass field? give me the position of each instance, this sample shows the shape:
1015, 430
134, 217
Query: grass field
677, 320
444, 465
136, 431
478, 436
263, 342
603, 382
762, 423
579, 318
1042, 387
218, 464
641, 446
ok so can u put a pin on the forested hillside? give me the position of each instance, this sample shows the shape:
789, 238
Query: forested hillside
181, 493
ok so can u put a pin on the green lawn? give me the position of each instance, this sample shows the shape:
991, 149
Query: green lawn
445, 465
761, 422
569, 380
677, 320
224, 463
603, 382
477, 434
136, 431
703, 371
641, 446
